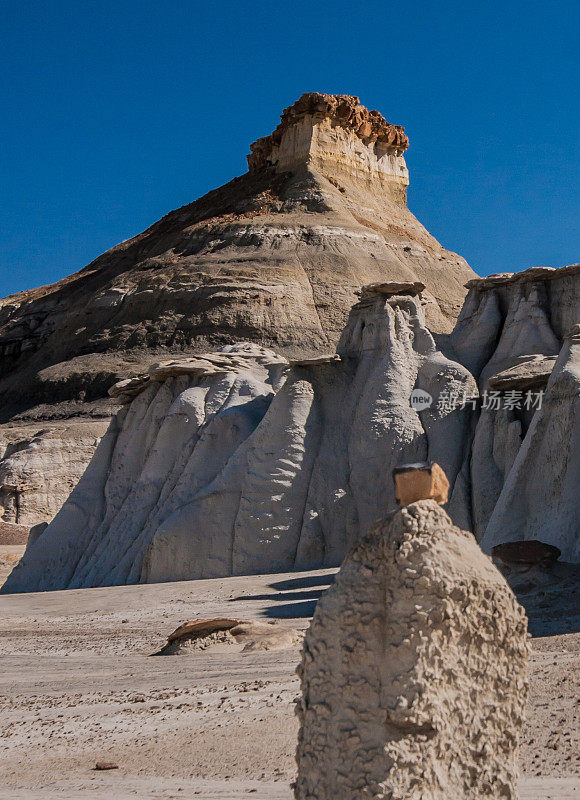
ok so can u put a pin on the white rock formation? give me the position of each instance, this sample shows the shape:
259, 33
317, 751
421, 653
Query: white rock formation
40, 464
509, 333
240, 461
209, 473
539, 499
413, 671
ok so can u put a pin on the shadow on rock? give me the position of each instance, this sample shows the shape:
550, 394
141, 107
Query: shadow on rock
550, 594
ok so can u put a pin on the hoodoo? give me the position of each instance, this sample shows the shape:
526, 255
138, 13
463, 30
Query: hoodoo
240, 462
413, 670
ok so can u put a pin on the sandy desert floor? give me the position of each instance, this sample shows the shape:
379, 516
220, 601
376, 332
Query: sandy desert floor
10, 555
78, 685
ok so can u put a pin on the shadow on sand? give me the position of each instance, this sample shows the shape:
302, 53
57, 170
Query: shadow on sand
295, 598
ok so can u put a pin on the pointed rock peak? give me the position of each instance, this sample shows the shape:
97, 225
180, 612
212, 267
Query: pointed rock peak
333, 130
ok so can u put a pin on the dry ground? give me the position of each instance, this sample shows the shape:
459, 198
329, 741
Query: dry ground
10, 555
78, 685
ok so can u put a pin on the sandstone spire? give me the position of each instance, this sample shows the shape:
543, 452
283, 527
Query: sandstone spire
413, 670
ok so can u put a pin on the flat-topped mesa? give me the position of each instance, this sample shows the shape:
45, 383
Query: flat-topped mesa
333, 132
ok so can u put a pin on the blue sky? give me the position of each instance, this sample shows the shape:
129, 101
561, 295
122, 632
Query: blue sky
116, 112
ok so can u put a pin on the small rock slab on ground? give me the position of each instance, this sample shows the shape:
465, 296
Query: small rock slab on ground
203, 627
104, 765
201, 634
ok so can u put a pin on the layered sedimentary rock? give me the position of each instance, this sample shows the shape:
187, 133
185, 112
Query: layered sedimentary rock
413, 671
240, 462
40, 464
273, 257
335, 131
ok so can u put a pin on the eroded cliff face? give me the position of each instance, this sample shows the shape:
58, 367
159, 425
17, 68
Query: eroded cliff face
239, 462
539, 494
242, 461
274, 257
40, 464
517, 333
338, 136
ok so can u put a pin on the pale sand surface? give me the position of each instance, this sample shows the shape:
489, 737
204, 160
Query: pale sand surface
77, 685
10, 555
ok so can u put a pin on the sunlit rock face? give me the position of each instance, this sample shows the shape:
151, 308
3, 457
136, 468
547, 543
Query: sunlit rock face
274, 257
413, 671
517, 333
240, 462
337, 135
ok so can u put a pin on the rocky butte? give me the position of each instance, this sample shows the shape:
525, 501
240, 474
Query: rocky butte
275, 258
276, 450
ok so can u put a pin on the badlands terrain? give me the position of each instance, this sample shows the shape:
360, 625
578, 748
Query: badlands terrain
241, 461
226, 395
275, 257
79, 685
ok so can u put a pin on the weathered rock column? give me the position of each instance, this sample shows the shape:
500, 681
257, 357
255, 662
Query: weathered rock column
414, 670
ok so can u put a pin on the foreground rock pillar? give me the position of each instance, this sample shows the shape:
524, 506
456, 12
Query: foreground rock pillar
414, 670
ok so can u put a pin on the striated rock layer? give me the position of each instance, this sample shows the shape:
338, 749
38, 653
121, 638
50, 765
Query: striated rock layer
334, 130
274, 257
518, 333
238, 462
243, 461
413, 670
